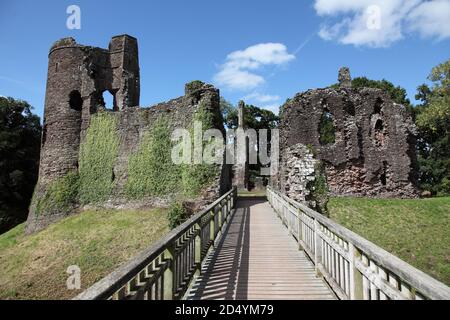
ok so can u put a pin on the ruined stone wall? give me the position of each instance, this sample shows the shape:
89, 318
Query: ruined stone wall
300, 177
77, 77
373, 150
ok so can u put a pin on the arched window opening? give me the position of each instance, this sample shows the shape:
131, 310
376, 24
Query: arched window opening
327, 134
379, 125
379, 133
350, 108
109, 100
75, 101
378, 105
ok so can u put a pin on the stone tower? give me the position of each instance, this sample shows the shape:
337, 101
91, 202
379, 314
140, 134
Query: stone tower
77, 78
241, 174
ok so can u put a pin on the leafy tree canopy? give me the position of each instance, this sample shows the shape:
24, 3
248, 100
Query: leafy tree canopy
20, 135
254, 117
433, 122
396, 93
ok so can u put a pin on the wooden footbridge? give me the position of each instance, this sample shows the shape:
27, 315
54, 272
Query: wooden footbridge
264, 248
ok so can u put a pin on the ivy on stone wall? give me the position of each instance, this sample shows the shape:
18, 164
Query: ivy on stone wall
60, 196
319, 188
151, 171
195, 177
98, 154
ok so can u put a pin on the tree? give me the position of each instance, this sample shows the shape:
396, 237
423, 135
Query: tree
433, 123
396, 93
20, 135
254, 117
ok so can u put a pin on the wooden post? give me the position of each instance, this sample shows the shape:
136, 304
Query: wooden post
169, 274
300, 226
317, 249
212, 227
356, 278
219, 218
198, 250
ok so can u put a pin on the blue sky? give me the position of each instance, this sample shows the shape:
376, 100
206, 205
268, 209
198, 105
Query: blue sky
265, 51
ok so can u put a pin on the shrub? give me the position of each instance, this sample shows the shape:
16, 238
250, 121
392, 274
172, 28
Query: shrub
177, 214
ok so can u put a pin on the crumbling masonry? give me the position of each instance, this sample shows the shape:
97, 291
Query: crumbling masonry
77, 78
372, 148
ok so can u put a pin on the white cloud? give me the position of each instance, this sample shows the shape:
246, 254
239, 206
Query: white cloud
262, 98
431, 19
379, 23
275, 108
240, 67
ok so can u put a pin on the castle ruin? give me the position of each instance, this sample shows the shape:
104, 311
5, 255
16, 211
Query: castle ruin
77, 78
368, 151
371, 151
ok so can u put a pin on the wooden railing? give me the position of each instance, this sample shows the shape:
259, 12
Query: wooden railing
164, 271
354, 267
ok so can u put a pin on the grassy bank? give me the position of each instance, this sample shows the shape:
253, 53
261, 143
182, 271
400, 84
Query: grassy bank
417, 231
34, 267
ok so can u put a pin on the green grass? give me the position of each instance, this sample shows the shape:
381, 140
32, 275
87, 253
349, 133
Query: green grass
34, 267
417, 231
252, 193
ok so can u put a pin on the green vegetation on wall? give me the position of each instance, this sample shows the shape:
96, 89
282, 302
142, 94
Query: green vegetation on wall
98, 153
151, 171
60, 196
327, 133
194, 85
319, 188
195, 176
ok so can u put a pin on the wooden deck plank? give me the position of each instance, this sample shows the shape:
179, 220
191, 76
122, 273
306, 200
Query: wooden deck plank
256, 258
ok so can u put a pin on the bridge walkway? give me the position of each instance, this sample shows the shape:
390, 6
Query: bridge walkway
256, 258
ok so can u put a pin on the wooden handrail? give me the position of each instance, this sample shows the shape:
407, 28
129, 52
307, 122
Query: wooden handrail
354, 267
165, 270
